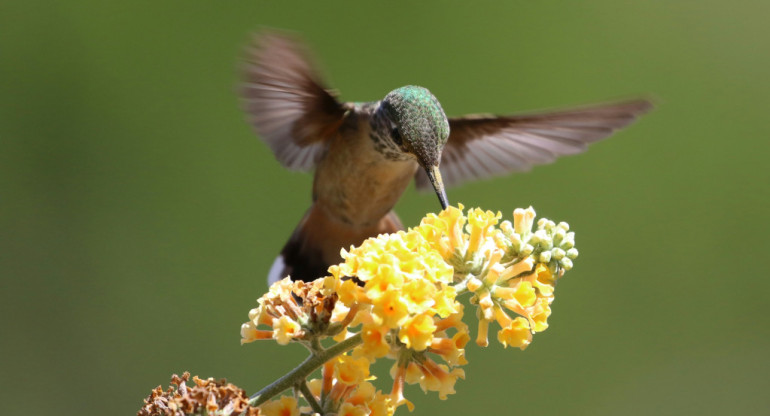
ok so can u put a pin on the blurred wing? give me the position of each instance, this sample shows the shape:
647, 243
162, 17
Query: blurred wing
286, 102
483, 146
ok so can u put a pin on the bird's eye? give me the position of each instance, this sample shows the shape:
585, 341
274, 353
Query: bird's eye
396, 136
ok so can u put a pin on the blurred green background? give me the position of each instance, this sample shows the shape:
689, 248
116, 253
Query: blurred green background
139, 213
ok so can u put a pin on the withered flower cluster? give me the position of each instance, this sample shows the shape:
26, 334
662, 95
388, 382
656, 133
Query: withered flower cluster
206, 397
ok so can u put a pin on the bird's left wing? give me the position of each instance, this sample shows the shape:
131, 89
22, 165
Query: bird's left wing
483, 146
286, 101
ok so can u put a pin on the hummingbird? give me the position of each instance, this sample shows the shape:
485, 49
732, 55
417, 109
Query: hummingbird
365, 154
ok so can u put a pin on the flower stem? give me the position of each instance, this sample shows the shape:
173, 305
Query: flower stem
303, 387
311, 363
462, 286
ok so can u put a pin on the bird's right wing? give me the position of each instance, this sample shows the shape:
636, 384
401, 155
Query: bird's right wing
286, 102
483, 146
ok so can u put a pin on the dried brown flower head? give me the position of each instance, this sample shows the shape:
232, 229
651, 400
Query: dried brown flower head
205, 397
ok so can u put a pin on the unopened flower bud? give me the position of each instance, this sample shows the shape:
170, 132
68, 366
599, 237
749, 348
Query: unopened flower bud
486, 302
559, 235
522, 220
500, 239
566, 263
542, 238
474, 284
572, 253
558, 253
545, 224
506, 227
545, 257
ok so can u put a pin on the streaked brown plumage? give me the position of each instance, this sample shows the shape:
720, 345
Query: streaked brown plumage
365, 154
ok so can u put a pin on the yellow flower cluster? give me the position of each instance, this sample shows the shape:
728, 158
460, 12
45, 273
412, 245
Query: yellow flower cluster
398, 291
508, 269
402, 289
399, 283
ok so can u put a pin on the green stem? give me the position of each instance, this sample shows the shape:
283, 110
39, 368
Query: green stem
315, 344
462, 286
311, 363
309, 397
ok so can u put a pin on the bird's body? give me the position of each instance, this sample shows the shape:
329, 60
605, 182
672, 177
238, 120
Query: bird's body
354, 191
365, 154
355, 183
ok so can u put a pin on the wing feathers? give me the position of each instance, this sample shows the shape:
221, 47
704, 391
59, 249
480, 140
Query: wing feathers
286, 103
482, 146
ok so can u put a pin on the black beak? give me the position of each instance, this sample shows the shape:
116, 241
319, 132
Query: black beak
435, 179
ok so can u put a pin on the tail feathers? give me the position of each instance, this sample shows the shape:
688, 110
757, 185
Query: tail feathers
316, 242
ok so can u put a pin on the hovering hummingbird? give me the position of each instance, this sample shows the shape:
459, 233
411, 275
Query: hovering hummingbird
365, 154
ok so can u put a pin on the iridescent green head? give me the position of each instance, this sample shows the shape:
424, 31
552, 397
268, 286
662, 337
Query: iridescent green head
420, 128
420, 124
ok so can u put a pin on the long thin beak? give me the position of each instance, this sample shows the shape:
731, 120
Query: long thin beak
435, 179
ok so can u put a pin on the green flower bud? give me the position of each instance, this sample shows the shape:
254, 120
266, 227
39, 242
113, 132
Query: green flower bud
545, 224
558, 236
543, 239
545, 257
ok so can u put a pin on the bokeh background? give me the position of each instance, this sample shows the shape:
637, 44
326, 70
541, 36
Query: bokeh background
139, 213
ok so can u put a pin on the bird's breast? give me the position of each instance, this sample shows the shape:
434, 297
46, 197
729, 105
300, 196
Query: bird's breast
357, 184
